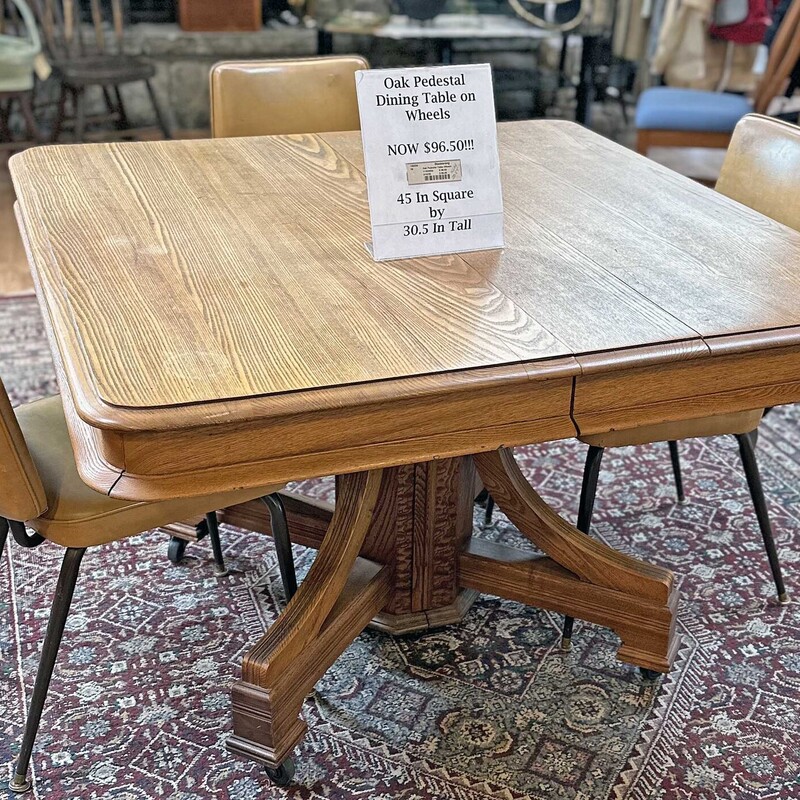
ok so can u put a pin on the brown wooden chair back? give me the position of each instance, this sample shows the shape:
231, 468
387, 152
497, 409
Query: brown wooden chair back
762, 168
22, 494
279, 97
783, 56
68, 34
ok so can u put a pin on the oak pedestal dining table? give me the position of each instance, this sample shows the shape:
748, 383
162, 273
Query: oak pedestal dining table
216, 322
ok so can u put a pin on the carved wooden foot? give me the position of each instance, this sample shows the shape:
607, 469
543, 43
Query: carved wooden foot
582, 577
333, 605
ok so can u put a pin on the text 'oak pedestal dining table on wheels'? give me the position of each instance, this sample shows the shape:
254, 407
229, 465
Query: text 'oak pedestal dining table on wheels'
217, 322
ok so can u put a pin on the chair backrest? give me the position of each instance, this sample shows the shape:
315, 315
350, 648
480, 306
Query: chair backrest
22, 494
762, 168
783, 56
66, 31
279, 97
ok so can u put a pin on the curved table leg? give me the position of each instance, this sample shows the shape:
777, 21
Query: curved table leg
334, 603
579, 576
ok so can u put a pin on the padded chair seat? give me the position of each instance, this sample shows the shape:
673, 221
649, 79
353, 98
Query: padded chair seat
740, 422
668, 108
76, 515
99, 69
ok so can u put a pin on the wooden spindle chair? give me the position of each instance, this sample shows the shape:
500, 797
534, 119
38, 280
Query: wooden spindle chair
84, 40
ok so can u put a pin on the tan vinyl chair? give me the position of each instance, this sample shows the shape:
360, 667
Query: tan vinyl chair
42, 491
280, 97
761, 170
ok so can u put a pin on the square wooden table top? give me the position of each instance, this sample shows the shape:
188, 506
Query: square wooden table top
228, 279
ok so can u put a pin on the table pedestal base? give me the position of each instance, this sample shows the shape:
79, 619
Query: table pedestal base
397, 551
416, 621
427, 521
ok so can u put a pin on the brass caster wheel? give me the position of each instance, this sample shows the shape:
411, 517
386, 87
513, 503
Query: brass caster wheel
19, 784
283, 775
177, 547
649, 675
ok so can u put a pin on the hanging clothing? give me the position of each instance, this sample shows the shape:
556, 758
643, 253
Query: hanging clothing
687, 56
631, 28
754, 17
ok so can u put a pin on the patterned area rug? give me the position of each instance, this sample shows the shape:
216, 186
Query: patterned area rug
139, 705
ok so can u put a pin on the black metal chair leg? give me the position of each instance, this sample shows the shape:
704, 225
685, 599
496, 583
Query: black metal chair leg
216, 545
159, 114
55, 630
283, 545
748, 453
591, 472
487, 518
79, 101
566, 633
676, 469
3, 534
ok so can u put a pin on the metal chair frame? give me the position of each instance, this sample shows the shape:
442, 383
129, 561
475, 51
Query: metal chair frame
62, 601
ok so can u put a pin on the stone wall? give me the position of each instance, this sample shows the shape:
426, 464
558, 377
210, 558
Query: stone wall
183, 61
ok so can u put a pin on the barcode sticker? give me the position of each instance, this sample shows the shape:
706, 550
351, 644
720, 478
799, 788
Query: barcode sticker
433, 172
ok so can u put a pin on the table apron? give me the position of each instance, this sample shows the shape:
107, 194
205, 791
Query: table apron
684, 390
160, 464
166, 464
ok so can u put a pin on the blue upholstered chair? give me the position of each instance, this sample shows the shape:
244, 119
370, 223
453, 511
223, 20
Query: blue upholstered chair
668, 116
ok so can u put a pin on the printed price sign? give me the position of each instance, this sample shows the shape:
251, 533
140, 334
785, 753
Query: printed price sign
430, 149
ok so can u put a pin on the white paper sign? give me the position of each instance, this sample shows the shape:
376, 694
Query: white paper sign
430, 149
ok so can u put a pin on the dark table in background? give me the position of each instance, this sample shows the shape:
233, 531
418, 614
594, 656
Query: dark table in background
446, 29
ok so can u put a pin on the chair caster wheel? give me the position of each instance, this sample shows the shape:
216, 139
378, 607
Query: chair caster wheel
650, 675
20, 784
177, 547
283, 775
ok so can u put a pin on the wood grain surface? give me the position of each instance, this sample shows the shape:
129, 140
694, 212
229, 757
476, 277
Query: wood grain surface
227, 269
